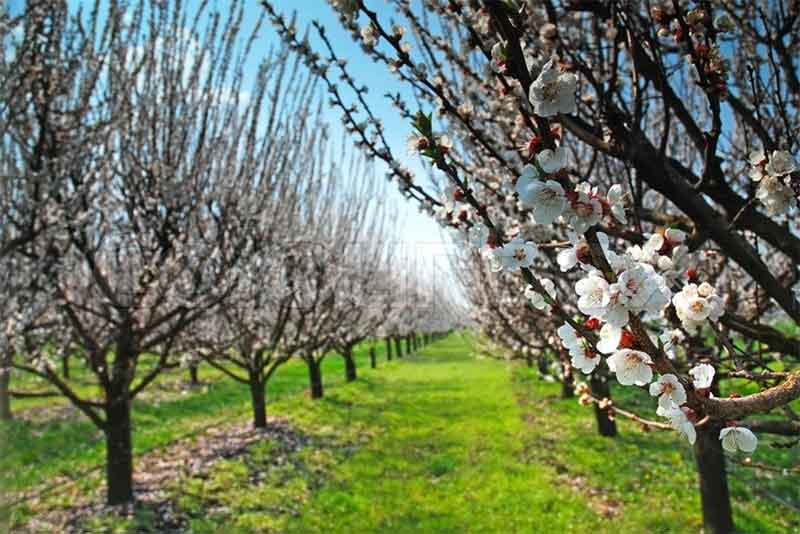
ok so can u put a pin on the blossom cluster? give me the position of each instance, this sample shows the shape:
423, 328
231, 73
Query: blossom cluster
771, 173
639, 283
621, 292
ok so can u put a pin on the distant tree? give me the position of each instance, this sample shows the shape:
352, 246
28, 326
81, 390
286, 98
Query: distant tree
135, 118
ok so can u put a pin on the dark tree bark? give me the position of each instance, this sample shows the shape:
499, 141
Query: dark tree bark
388, 349
350, 372
529, 360
259, 399
117, 427
119, 450
408, 344
5, 395
398, 346
568, 380
713, 479
193, 378
65, 366
541, 363
315, 378
606, 425
373, 361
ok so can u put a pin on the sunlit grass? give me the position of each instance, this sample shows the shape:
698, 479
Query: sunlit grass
439, 442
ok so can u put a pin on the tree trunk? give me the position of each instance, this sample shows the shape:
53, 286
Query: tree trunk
398, 347
372, 359
529, 359
567, 381
408, 344
193, 378
349, 364
388, 349
315, 378
605, 424
541, 363
5, 395
119, 451
65, 366
258, 397
716, 501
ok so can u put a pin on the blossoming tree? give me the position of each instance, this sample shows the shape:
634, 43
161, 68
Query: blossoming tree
143, 234
654, 156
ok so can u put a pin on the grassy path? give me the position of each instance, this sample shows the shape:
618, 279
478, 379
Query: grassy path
439, 442
447, 457
33, 452
471, 445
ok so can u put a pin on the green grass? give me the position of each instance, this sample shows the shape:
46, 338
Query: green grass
439, 442
446, 458
32, 452
650, 475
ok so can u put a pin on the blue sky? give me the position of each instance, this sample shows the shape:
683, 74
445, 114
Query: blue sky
421, 236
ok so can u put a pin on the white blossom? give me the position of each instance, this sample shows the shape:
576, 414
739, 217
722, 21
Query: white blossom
632, 367
776, 197
616, 204
649, 251
669, 341
593, 297
669, 390
780, 163
583, 359
757, 160
609, 338
537, 300
674, 235
644, 289
738, 438
664, 251
569, 337
616, 313
702, 375
546, 199
679, 421
578, 252
552, 161
369, 35
514, 255
585, 209
416, 143
553, 92
757, 157
695, 304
